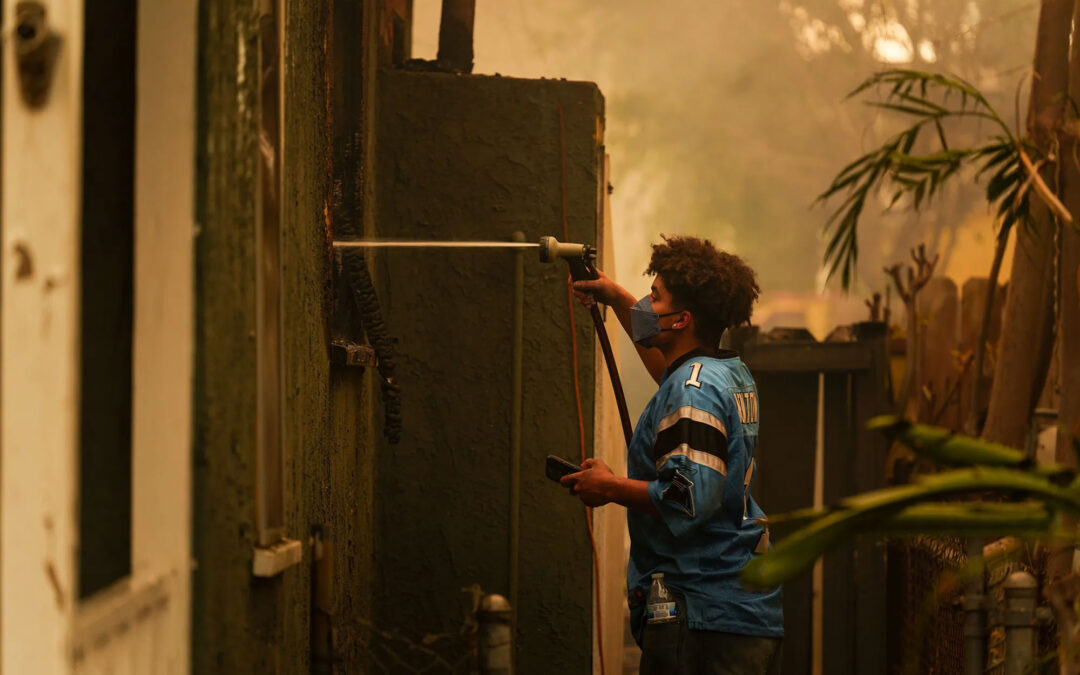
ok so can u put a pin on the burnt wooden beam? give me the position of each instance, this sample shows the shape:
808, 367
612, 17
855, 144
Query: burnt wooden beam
456, 35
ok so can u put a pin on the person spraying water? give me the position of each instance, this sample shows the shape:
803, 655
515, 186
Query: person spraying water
692, 520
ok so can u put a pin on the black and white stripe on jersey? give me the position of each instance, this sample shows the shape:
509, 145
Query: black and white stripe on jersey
692, 433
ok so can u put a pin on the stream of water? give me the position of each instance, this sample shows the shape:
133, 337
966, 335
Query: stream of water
406, 243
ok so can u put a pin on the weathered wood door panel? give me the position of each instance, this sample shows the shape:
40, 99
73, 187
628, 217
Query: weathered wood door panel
39, 374
153, 604
140, 623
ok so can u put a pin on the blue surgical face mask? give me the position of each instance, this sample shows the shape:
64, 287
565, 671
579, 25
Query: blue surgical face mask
645, 323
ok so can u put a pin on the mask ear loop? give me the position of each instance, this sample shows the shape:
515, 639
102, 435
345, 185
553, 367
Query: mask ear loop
661, 316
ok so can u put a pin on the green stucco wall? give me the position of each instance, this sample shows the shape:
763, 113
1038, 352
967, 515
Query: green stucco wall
469, 157
411, 525
242, 624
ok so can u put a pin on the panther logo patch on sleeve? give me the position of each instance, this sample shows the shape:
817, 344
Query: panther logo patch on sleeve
679, 493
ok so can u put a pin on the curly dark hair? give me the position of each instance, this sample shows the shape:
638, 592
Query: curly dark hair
718, 288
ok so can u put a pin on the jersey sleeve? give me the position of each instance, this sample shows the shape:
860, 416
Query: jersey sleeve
692, 460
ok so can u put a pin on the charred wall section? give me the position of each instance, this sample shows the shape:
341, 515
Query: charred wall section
243, 624
476, 158
449, 158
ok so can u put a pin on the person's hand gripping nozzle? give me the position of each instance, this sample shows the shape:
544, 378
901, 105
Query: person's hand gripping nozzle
581, 258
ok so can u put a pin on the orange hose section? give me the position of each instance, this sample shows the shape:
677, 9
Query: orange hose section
577, 391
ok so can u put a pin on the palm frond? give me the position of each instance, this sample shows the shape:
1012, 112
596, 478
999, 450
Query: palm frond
894, 167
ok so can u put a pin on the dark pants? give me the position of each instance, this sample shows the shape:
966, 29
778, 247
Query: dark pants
674, 649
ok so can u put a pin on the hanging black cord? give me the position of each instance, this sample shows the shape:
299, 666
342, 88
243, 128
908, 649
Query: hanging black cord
355, 269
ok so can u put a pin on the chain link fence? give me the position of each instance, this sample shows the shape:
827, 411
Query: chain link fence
930, 573
930, 619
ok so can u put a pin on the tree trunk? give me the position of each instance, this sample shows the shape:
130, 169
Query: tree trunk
1059, 564
1069, 278
1069, 412
1027, 335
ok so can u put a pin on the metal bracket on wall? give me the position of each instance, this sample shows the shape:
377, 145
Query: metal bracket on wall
347, 346
345, 353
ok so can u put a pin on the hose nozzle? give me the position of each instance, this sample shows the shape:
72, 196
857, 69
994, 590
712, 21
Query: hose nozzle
580, 257
551, 248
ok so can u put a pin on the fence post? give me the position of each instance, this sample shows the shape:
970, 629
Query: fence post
1019, 615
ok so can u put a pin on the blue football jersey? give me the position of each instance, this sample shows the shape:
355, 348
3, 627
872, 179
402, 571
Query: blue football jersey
694, 444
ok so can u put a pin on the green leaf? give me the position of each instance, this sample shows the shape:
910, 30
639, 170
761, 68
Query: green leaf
945, 447
969, 519
843, 248
1005, 179
921, 176
999, 147
840, 185
915, 111
1006, 156
908, 183
941, 134
851, 168
919, 192
869, 512
909, 138
932, 160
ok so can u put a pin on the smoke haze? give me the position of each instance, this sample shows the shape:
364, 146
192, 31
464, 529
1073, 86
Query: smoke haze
726, 119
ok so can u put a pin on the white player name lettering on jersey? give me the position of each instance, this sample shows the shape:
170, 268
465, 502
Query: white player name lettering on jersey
746, 402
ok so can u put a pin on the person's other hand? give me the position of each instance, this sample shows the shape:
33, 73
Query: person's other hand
592, 484
601, 289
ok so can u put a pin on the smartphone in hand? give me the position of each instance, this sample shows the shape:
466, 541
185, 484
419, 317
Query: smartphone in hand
557, 467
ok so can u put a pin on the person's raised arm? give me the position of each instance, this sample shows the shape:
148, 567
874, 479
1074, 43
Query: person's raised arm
620, 300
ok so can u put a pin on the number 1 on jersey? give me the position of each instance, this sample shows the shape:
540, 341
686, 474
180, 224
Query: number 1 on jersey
694, 371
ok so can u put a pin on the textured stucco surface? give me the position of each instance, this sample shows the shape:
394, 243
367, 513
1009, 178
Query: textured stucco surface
467, 157
462, 158
242, 624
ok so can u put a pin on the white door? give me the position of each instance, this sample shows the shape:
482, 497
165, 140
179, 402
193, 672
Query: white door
139, 623
39, 351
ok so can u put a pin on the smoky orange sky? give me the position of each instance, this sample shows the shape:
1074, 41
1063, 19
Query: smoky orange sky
727, 118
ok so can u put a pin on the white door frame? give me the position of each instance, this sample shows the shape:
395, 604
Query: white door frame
39, 353
164, 328
43, 627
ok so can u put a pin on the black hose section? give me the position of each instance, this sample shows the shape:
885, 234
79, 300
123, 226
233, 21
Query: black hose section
355, 270
613, 372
